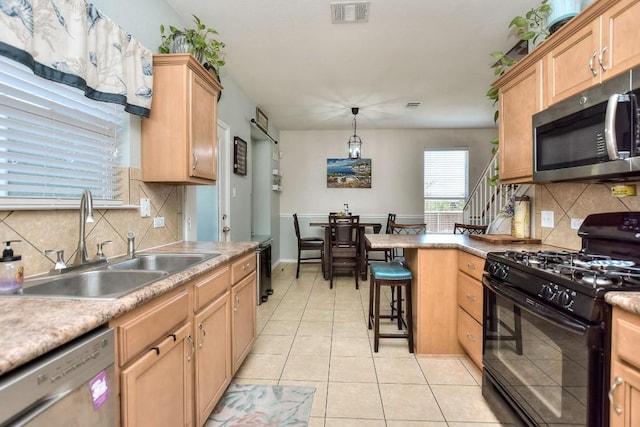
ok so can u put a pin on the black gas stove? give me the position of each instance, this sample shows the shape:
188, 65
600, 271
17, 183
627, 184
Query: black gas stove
576, 282
546, 325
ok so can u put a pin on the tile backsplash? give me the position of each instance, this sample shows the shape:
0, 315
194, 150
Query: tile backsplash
575, 201
59, 228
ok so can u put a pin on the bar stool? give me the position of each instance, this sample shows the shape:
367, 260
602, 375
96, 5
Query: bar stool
394, 275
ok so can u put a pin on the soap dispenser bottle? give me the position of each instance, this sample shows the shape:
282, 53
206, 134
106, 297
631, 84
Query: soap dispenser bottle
11, 269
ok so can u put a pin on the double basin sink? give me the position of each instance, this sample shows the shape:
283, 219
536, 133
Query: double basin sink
114, 279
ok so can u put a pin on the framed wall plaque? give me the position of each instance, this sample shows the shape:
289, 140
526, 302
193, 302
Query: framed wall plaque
239, 156
262, 121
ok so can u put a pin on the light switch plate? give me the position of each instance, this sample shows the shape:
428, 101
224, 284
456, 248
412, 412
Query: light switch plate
576, 223
158, 222
145, 208
547, 219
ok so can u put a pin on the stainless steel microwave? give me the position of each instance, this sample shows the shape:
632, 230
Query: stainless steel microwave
594, 136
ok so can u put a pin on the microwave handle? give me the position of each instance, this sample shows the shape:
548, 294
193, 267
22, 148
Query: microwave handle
610, 126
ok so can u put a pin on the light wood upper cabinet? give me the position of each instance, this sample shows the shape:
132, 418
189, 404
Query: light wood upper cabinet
520, 98
605, 47
179, 141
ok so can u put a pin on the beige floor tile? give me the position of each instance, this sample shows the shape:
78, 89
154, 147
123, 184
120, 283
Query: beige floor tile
463, 404
315, 422
350, 329
475, 372
472, 424
319, 406
409, 402
287, 312
352, 369
262, 366
354, 400
306, 368
346, 346
317, 315
254, 381
311, 345
322, 329
392, 348
280, 327
353, 422
403, 423
272, 344
446, 370
399, 370
349, 316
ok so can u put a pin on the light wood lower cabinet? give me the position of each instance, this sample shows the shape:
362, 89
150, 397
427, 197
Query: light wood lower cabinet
470, 268
156, 388
624, 404
177, 354
243, 300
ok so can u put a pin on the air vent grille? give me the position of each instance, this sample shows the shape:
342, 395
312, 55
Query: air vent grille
350, 12
413, 104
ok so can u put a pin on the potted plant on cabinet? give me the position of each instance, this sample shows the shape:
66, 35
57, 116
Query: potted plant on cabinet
198, 41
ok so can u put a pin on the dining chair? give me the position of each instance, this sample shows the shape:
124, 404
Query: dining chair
308, 244
460, 228
391, 218
405, 229
344, 250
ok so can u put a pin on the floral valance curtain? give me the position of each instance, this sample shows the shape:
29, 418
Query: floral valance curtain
71, 42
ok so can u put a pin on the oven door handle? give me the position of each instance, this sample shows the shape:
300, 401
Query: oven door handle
528, 304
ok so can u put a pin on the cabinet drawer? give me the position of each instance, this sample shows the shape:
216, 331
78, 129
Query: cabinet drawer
149, 324
470, 264
241, 268
626, 336
470, 336
209, 287
470, 296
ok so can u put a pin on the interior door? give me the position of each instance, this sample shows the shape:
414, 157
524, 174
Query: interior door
224, 181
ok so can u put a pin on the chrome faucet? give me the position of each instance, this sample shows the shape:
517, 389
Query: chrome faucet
86, 216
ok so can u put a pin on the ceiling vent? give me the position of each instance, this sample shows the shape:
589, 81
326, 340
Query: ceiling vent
350, 12
413, 104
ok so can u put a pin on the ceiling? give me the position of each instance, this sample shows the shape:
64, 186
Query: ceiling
306, 73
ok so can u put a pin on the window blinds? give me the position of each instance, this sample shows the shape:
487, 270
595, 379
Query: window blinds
445, 174
55, 142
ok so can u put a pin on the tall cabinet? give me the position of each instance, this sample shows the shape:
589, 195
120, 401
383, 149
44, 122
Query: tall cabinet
179, 141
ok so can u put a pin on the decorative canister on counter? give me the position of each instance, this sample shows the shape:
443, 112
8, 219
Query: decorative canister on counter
521, 224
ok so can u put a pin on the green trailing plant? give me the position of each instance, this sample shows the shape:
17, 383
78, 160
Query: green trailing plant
530, 27
201, 43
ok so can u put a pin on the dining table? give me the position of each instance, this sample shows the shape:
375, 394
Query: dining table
362, 226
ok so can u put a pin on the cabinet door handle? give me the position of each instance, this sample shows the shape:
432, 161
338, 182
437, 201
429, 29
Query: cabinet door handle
616, 382
471, 266
471, 298
203, 333
193, 348
195, 160
593, 56
237, 305
471, 337
604, 49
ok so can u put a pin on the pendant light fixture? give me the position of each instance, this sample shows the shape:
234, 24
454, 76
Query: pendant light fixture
355, 143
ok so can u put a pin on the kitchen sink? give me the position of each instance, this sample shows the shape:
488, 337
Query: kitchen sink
99, 284
170, 263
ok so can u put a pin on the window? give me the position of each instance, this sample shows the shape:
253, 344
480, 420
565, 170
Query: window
54, 142
445, 188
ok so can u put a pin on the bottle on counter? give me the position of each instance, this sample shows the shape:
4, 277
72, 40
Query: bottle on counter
11, 270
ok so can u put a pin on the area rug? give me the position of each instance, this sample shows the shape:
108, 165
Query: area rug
263, 405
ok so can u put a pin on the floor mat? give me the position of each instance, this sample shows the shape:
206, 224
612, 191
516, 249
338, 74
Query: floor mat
263, 405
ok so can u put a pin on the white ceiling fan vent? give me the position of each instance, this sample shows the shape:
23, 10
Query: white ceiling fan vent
350, 12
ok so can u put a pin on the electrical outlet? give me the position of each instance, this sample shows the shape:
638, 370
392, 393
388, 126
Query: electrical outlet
546, 219
576, 223
145, 208
158, 222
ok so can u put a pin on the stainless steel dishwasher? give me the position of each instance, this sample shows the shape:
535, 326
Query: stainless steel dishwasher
71, 385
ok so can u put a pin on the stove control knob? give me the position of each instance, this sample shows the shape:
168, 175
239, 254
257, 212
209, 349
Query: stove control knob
547, 292
564, 298
502, 272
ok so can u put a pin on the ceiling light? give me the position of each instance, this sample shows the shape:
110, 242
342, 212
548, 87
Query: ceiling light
350, 12
355, 143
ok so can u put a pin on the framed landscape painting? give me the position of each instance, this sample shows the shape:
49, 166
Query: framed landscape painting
348, 173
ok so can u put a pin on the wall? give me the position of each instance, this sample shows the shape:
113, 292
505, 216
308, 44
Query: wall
573, 200
397, 174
